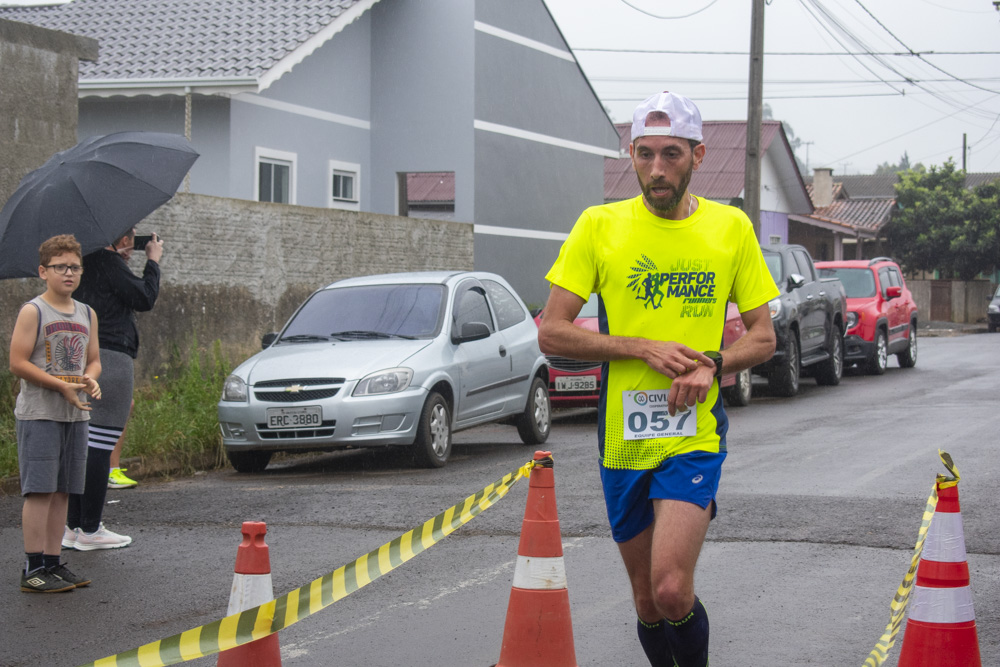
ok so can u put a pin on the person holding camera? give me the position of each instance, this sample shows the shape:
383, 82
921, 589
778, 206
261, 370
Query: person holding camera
115, 294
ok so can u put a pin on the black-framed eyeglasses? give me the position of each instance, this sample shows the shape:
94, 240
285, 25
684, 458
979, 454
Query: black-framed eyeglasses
75, 269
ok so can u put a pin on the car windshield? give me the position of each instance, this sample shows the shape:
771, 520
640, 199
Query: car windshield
858, 283
590, 308
369, 312
773, 261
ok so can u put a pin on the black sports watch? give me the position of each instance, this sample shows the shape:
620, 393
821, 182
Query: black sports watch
717, 358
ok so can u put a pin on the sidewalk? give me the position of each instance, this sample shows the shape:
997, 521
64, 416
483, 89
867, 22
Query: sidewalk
937, 328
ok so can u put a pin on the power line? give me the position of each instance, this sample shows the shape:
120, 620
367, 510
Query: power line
788, 53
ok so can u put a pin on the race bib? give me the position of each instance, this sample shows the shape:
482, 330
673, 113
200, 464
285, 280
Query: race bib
645, 416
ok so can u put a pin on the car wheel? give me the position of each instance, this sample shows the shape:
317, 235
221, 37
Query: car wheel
738, 395
908, 357
249, 461
992, 328
432, 447
534, 423
880, 359
784, 381
830, 371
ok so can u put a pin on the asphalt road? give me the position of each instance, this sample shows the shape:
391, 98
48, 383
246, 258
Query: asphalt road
820, 504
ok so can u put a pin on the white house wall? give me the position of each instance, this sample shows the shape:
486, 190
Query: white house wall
773, 193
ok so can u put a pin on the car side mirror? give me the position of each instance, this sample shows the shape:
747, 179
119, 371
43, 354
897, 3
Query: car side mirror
796, 280
471, 331
267, 339
894, 291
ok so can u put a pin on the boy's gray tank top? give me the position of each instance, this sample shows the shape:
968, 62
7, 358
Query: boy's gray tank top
60, 350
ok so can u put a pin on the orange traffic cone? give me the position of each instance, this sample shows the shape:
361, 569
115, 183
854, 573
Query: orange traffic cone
941, 628
538, 631
251, 588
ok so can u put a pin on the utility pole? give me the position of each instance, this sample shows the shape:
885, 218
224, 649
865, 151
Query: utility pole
965, 152
807, 144
755, 112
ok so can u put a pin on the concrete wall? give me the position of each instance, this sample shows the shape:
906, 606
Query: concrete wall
234, 269
968, 299
38, 86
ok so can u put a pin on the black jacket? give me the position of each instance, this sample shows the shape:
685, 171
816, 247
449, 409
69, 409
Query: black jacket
115, 293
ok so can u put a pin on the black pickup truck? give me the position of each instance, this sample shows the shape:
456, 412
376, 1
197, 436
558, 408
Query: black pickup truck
808, 319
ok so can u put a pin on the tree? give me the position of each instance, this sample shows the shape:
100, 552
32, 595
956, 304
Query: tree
903, 165
942, 226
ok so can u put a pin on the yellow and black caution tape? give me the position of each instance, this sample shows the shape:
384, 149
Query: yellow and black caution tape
899, 601
270, 617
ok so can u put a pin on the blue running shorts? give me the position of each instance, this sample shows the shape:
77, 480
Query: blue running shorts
692, 477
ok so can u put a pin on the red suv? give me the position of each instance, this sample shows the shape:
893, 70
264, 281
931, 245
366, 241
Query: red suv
881, 313
577, 384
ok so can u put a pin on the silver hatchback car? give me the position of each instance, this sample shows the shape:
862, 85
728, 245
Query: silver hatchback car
401, 359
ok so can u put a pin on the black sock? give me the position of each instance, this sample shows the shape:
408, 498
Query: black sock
653, 637
49, 561
689, 637
32, 562
87, 509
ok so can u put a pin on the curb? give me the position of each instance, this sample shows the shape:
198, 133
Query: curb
139, 470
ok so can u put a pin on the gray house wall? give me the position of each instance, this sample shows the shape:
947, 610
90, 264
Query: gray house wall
422, 102
210, 130
530, 190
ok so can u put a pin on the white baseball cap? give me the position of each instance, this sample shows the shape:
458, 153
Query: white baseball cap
685, 119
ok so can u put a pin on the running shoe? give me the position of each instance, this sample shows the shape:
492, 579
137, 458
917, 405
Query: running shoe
69, 537
43, 581
102, 538
68, 575
118, 480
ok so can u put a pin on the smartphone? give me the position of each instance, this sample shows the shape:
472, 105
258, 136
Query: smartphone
141, 241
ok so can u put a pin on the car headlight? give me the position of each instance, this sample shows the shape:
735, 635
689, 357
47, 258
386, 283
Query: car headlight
774, 306
388, 381
234, 389
993, 308
852, 319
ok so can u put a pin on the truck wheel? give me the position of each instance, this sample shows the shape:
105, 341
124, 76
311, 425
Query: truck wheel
534, 423
908, 357
784, 381
738, 395
249, 461
432, 447
880, 358
830, 371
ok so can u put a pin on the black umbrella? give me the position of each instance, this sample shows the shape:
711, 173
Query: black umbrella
97, 190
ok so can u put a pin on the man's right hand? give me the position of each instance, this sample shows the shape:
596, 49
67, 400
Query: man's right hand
154, 249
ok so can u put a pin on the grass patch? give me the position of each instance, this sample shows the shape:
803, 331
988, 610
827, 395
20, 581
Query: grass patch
174, 426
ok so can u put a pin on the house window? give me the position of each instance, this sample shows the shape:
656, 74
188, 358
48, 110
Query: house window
345, 185
774, 239
275, 176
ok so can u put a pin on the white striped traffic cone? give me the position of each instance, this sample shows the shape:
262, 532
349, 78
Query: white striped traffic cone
941, 627
539, 631
252, 588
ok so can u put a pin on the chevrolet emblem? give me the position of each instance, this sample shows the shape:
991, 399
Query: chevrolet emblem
294, 389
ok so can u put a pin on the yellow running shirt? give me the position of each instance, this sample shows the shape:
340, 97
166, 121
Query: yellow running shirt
666, 280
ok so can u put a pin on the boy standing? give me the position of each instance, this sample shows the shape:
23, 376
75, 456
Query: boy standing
54, 351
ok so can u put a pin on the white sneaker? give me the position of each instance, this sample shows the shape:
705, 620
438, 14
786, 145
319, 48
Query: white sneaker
102, 538
69, 537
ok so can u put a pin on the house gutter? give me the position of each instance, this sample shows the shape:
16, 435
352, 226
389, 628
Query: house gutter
155, 86
833, 226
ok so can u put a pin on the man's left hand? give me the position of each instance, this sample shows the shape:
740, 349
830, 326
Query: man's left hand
690, 388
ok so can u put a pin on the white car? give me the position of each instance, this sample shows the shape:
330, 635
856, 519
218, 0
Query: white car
392, 360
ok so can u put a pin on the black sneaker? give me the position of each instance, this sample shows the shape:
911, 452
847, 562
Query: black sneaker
43, 581
69, 576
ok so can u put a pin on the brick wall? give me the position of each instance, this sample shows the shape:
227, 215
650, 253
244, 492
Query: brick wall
234, 269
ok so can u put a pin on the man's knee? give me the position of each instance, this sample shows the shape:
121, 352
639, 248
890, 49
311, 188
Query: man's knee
673, 595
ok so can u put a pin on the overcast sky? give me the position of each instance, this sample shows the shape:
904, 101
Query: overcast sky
857, 110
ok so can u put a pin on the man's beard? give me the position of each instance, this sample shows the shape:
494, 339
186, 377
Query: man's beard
667, 204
